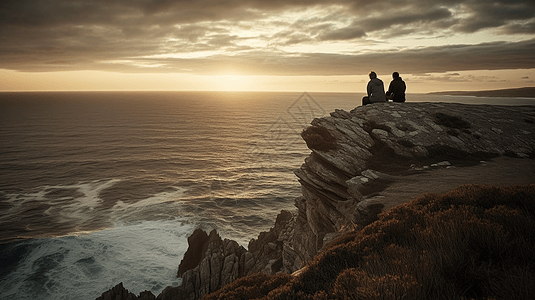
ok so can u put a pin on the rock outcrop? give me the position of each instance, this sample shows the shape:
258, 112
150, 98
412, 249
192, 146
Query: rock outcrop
364, 149
118, 292
354, 156
210, 262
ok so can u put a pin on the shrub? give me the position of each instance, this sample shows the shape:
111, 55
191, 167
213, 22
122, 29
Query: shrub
358, 284
475, 242
451, 121
250, 287
319, 138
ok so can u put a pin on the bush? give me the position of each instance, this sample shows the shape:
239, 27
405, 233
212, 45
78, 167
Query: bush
250, 287
475, 242
319, 138
451, 121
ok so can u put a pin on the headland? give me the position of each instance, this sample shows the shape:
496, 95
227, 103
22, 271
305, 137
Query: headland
370, 160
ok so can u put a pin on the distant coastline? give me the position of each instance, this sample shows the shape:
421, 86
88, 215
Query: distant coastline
525, 92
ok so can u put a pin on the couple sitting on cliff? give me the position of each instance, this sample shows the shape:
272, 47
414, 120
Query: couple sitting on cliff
376, 90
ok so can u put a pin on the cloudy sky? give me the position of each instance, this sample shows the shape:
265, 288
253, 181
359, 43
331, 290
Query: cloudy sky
274, 45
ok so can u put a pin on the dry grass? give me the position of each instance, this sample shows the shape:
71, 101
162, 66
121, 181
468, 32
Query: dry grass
251, 287
475, 242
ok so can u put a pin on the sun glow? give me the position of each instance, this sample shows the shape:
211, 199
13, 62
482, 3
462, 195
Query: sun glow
232, 82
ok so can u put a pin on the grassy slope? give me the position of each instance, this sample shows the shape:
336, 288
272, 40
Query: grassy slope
475, 242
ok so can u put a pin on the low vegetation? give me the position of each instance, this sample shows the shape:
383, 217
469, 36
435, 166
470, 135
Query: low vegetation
475, 242
319, 138
451, 121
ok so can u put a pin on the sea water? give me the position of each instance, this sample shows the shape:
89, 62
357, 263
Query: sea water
98, 188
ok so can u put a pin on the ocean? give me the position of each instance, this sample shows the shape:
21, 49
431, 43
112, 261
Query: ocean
98, 188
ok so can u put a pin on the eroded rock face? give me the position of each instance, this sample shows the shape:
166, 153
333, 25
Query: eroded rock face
366, 149
373, 143
208, 264
211, 262
118, 292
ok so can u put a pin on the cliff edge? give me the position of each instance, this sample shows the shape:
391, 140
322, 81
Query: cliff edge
356, 156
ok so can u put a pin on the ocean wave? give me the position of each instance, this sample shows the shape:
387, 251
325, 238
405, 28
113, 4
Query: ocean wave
144, 256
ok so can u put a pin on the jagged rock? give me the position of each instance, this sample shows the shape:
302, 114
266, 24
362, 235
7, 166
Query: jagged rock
118, 292
197, 245
208, 264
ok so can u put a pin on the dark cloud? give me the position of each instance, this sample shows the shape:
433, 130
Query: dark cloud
495, 14
411, 61
398, 23
519, 28
346, 33
287, 38
106, 34
406, 18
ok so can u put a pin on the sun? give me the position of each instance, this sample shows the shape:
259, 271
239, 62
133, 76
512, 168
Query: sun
232, 82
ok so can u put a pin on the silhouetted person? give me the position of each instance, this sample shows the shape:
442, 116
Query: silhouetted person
396, 89
375, 89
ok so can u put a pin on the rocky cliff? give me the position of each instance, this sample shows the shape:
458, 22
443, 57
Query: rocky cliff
355, 155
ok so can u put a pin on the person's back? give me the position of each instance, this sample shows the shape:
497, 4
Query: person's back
397, 88
375, 90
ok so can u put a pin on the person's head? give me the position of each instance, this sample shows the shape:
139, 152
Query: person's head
373, 75
395, 75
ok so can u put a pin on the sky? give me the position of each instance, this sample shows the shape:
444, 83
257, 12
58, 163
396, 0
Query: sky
259, 45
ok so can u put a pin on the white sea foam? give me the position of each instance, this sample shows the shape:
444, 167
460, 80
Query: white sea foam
159, 198
75, 209
144, 256
161, 206
80, 209
43, 212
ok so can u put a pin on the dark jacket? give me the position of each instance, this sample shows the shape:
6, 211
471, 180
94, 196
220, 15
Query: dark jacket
397, 87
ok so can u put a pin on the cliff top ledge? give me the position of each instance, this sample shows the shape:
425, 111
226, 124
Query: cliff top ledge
368, 152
